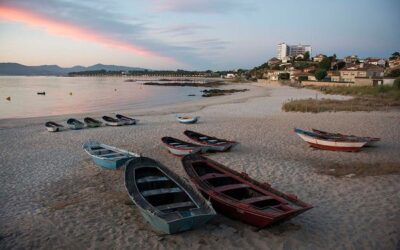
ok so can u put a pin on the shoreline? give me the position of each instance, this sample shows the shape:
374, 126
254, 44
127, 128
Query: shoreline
181, 107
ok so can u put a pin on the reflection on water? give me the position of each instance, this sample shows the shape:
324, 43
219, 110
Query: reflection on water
66, 95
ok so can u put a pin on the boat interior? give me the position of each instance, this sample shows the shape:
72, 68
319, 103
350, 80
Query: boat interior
106, 153
162, 192
178, 143
234, 189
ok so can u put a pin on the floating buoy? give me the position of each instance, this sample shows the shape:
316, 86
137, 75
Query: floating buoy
8, 98
115, 89
70, 93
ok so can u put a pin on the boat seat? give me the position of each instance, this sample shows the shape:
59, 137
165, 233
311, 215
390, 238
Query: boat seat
175, 205
212, 176
230, 187
152, 179
174, 143
203, 137
256, 199
111, 154
161, 191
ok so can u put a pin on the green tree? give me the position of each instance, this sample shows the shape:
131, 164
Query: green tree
395, 55
307, 56
325, 63
320, 74
283, 76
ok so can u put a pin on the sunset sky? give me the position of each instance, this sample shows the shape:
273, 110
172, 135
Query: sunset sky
191, 34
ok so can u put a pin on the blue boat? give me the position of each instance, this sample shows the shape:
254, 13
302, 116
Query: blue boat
108, 157
166, 201
75, 124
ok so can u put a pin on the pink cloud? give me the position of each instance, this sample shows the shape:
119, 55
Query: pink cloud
65, 29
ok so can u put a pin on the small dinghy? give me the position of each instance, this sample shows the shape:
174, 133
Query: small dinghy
53, 126
178, 147
108, 157
75, 124
113, 121
370, 140
41, 93
92, 123
213, 143
237, 195
127, 120
187, 119
167, 202
334, 144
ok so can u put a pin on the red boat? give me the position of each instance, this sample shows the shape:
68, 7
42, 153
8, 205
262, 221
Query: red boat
370, 140
238, 196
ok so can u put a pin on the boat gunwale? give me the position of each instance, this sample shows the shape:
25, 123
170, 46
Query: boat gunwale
232, 202
200, 202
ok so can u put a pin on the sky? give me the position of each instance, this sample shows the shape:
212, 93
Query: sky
191, 34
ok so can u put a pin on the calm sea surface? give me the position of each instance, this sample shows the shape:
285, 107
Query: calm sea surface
88, 94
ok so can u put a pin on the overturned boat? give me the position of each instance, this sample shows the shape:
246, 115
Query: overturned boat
187, 119
92, 123
113, 121
75, 124
127, 120
53, 126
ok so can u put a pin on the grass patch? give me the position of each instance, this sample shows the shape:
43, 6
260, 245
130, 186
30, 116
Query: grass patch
366, 98
361, 169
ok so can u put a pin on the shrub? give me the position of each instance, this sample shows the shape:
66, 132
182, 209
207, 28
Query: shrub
320, 74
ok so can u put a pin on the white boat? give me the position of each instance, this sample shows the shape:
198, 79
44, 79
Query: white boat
187, 119
53, 126
127, 120
113, 121
179, 148
320, 142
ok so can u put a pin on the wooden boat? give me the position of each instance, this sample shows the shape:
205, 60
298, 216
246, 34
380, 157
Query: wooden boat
75, 124
127, 120
53, 126
92, 123
213, 143
187, 119
237, 195
164, 199
112, 121
322, 142
178, 147
106, 156
370, 140
41, 93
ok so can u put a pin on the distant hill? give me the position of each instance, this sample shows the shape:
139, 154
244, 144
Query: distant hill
16, 69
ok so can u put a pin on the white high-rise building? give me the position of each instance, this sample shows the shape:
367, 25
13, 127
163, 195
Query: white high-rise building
285, 50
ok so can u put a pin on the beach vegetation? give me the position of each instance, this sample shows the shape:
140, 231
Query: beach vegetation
365, 98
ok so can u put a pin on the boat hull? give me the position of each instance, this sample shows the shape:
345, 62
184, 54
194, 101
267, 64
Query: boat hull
181, 225
110, 164
332, 145
188, 121
182, 152
52, 129
75, 127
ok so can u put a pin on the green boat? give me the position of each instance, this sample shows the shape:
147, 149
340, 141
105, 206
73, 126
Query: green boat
166, 201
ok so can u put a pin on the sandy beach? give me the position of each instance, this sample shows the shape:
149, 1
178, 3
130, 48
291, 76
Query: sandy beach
54, 197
